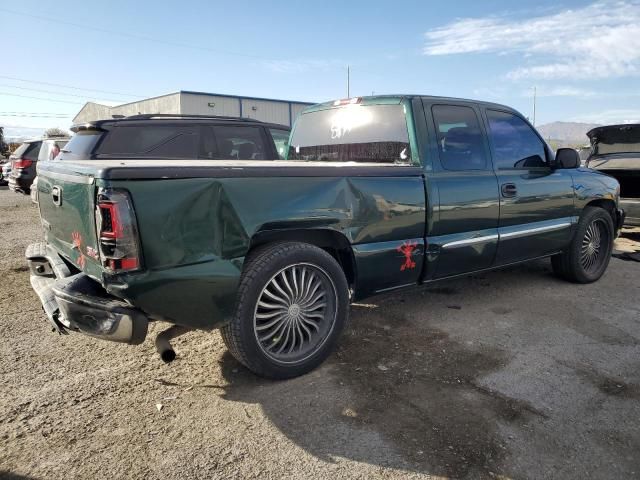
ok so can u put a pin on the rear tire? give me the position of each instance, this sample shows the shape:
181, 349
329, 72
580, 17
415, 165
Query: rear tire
293, 303
588, 255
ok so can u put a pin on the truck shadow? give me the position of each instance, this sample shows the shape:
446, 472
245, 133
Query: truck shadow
6, 475
398, 392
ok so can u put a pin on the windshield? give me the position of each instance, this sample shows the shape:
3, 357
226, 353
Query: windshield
353, 133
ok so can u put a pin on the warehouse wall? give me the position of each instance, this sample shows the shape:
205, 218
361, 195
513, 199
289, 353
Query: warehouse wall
274, 112
296, 108
164, 104
92, 111
196, 104
265, 110
193, 103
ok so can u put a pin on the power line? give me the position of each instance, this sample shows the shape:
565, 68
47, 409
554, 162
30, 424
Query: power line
57, 93
39, 98
35, 113
2, 115
70, 86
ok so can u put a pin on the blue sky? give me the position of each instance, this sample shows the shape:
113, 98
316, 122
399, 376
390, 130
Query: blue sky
583, 57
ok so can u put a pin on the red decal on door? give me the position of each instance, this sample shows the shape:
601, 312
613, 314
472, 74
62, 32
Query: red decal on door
407, 249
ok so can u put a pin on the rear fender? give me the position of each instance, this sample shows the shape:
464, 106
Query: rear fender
333, 242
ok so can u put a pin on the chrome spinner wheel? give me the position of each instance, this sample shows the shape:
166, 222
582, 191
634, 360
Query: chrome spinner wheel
295, 313
594, 245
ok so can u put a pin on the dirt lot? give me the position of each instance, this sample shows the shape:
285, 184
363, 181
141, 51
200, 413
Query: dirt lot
512, 374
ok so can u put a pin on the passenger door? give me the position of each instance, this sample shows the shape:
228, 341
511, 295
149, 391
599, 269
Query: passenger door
536, 201
463, 236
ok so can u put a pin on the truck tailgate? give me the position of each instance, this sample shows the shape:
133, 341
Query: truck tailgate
67, 207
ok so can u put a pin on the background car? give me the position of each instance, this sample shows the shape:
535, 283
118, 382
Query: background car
5, 168
25, 158
615, 150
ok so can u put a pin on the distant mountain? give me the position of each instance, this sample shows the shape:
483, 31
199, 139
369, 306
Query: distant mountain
566, 133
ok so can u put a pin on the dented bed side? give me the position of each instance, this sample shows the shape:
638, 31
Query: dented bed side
196, 227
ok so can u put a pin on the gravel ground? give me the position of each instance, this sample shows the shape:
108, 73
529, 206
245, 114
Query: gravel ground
510, 374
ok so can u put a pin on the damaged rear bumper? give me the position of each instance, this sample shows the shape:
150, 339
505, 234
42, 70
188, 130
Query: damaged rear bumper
75, 302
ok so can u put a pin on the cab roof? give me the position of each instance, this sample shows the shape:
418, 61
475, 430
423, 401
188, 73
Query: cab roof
396, 99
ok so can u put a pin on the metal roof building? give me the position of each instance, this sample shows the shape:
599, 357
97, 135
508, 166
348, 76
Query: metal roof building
199, 103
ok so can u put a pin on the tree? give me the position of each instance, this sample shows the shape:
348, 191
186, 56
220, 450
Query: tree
3, 146
55, 132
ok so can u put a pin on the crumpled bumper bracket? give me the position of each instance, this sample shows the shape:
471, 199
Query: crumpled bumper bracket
78, 303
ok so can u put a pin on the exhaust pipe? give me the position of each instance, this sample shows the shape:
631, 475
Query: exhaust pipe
164, 348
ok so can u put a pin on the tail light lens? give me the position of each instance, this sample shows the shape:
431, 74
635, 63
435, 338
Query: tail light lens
117, 232
22, 163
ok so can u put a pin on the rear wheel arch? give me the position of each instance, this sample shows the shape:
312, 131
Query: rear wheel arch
331, 241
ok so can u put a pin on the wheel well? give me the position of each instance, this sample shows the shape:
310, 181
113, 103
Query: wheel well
607, 205
334, 243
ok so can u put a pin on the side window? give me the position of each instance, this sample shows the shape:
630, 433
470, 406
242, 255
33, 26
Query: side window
50, 149
281, 139
239, 142
151, 141
460, 142
515, 144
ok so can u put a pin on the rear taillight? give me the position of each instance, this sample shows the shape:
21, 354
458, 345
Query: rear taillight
22, 163
117, 231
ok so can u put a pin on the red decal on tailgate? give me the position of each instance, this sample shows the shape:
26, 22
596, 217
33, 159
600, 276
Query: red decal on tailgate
76, 239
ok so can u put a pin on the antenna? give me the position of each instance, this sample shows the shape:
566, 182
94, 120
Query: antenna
348, 82
534, 105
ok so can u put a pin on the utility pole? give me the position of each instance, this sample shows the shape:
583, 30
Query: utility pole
348, 81
534, 106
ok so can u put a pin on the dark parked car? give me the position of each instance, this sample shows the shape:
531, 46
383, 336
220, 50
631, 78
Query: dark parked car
615, 150
23, 161
377, 194
26, 157
5, 168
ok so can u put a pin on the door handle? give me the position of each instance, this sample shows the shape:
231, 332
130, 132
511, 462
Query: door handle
509, 190
56, 195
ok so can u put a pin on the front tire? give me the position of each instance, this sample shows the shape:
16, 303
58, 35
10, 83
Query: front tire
293, 303
588, 255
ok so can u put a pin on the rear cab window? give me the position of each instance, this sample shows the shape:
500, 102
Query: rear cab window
352, 133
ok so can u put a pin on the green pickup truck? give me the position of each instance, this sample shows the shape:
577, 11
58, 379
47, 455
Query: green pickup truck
375, 194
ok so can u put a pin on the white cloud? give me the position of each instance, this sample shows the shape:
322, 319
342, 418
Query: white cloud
561, 91
610, 117
599, 40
